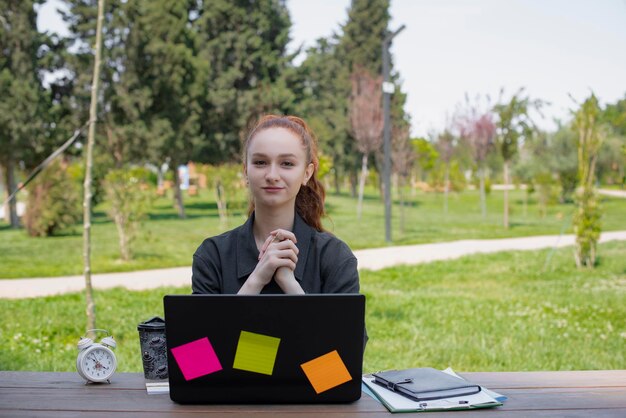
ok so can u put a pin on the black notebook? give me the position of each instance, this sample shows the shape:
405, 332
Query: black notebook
424, 383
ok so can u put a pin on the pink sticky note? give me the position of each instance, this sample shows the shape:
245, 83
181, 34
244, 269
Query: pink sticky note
196, 358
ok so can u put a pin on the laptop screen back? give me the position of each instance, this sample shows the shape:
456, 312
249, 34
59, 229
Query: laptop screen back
265, 348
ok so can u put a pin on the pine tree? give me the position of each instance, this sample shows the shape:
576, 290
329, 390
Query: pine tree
360, 48
148, 79
171, 74
363, 34
242, 49
23, 105
321, 76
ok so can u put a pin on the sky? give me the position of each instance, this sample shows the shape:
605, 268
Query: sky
558, 50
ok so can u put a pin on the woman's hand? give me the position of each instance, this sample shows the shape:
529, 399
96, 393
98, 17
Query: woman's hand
276, 236
287, 281
278, 252
284, 276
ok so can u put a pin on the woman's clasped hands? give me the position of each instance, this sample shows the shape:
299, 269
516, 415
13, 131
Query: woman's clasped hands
278, 257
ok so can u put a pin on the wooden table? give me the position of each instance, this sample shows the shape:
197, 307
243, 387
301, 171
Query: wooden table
593, 394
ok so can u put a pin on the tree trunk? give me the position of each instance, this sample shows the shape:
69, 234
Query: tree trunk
378, 157
401, 197
11, 211
5, 206
93, 116
446, 188
121, 224
178, 195
354, 182
359, 206
483, 198
221, 203
506, 194
336, 181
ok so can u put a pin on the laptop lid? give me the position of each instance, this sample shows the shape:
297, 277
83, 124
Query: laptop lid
265, 348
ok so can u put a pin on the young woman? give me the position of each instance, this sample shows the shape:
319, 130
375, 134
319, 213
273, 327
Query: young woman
282, 247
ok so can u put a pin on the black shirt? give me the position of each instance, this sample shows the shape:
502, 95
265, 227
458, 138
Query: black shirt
325, 263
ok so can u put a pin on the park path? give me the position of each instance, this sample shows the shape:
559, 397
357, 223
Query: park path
372, 259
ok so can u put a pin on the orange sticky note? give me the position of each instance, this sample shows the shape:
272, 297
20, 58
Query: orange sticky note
326, 372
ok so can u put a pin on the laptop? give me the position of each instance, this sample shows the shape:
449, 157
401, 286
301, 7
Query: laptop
265, 348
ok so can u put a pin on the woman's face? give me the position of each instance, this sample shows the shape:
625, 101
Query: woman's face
276, 167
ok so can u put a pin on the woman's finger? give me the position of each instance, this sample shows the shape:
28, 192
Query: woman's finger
266, 244
283, 234
287, 254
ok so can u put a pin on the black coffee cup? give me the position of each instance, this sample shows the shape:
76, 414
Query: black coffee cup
153, 348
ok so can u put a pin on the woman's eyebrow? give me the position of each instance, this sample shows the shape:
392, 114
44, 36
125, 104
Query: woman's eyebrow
261, 155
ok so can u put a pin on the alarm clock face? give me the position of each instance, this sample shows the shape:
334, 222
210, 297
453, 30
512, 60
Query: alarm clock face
97, 364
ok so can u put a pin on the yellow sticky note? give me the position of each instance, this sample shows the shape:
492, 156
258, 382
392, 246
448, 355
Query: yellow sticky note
326, 372
256, 352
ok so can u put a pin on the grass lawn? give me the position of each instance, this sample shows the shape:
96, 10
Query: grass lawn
484, 312
167, 241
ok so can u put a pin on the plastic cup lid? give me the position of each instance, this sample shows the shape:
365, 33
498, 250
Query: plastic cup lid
152, 324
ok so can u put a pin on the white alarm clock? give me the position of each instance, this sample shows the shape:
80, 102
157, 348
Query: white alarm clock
96, 362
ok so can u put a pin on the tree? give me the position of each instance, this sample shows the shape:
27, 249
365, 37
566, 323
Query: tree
536, 167
402, 151
360, 47
129, 195
182, 79
91, 308
24, 100
243, 71
228, 182
426, 156
321, 78
562, 159
172, 74
446, 143
612, 159
513, 125
363, 33
54, 201
587, 218
479, 130
122, 135
366, 119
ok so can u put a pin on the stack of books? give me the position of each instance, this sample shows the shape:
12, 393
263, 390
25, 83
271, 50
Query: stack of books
427, 389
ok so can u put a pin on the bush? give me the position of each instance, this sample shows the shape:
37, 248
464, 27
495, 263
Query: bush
128, 193
456, 178
54, 201
228, 181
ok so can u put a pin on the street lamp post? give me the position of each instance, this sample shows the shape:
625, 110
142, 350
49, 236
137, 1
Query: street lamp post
388, 89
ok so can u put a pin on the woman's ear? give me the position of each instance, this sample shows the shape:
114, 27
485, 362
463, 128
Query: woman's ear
308, 173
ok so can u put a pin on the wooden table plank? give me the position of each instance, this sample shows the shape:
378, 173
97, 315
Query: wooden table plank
492, 380
587, 413
551, 394
564, 379
133, 400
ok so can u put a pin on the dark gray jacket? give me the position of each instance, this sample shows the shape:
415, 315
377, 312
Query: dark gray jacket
325, 263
